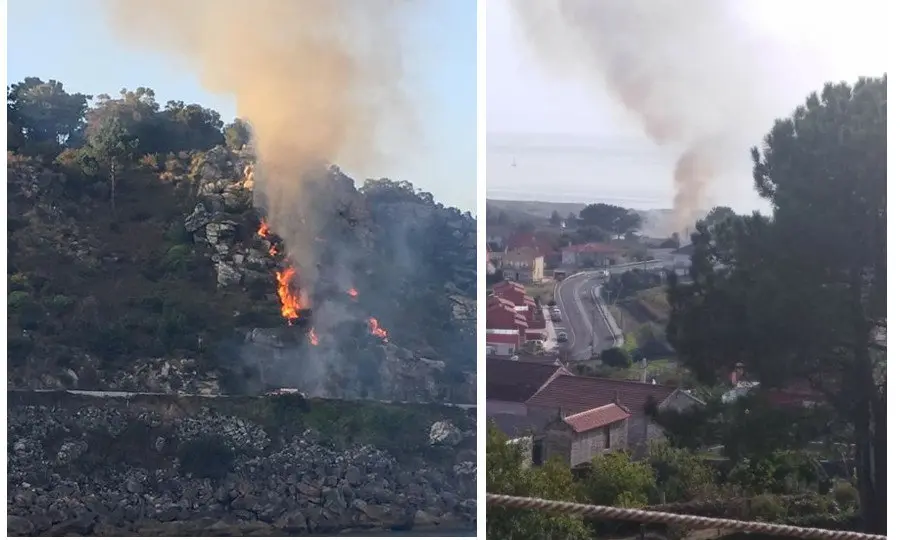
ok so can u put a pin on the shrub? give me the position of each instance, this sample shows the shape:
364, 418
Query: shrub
681, 474
615, 357
178, 258
846, 495
60, 304
206, 457
17, 282
615, 480
766, 507
756, 476
15, 300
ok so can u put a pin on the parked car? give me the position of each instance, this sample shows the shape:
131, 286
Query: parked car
555, 316
562, 337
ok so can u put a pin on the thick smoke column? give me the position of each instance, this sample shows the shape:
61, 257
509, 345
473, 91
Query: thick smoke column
688, 70
318, 80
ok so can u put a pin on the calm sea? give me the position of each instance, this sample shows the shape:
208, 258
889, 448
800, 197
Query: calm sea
544, 168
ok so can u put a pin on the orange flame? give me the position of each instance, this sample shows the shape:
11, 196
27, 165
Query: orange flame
291, 303
353, 292
273, 251
263, 229
313, 338
376, 330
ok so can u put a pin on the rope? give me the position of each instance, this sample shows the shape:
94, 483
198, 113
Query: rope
697, 522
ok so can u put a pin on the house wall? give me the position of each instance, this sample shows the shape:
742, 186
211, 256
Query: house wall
501, 349
586, 446
569, 258
495, 406
537, 271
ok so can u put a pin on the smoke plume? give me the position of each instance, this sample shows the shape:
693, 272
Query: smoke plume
690, 71
318, 81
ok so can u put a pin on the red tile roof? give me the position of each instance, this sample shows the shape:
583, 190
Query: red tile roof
574, 394
596, 418
509, 380
507, 285
495, 337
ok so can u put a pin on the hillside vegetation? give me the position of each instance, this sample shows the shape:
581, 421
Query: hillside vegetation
134, 258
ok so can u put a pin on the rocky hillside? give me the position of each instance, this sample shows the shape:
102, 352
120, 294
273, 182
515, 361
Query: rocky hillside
166, 465
173, 289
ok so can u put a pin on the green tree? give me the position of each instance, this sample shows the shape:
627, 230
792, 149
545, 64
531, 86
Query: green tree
43, 113
611, 218
555, 219
137, 112
718, 215
801, 296
508, 475
237, 134
615, 480
112, 146
190, 127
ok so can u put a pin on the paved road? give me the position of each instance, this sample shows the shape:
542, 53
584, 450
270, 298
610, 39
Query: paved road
580, 316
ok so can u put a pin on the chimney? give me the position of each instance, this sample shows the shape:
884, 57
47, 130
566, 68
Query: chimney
616, 398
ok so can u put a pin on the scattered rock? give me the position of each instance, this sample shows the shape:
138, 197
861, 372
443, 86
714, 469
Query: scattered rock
444, 433
300, 484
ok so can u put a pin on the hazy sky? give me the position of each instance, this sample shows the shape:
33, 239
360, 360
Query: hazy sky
67, 40
818, 41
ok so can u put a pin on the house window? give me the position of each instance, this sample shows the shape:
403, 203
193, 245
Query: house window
607, 438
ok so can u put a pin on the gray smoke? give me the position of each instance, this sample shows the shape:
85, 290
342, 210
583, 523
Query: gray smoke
692, 73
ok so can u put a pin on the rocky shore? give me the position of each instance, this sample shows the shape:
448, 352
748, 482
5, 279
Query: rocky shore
176, 465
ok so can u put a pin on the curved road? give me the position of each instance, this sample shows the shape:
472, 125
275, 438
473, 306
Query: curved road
580, 316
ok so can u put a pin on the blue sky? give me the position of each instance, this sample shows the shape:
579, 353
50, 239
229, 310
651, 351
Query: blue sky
68, 41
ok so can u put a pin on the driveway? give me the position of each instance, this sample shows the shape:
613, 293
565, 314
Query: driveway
550, 343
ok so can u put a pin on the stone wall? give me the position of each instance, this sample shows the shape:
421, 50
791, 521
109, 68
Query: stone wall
590, 444
170, 465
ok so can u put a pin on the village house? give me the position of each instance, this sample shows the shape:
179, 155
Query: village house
523, 304
578, 438
524, 265
590, 255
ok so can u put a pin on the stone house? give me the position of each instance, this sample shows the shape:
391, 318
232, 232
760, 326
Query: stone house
579, 438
